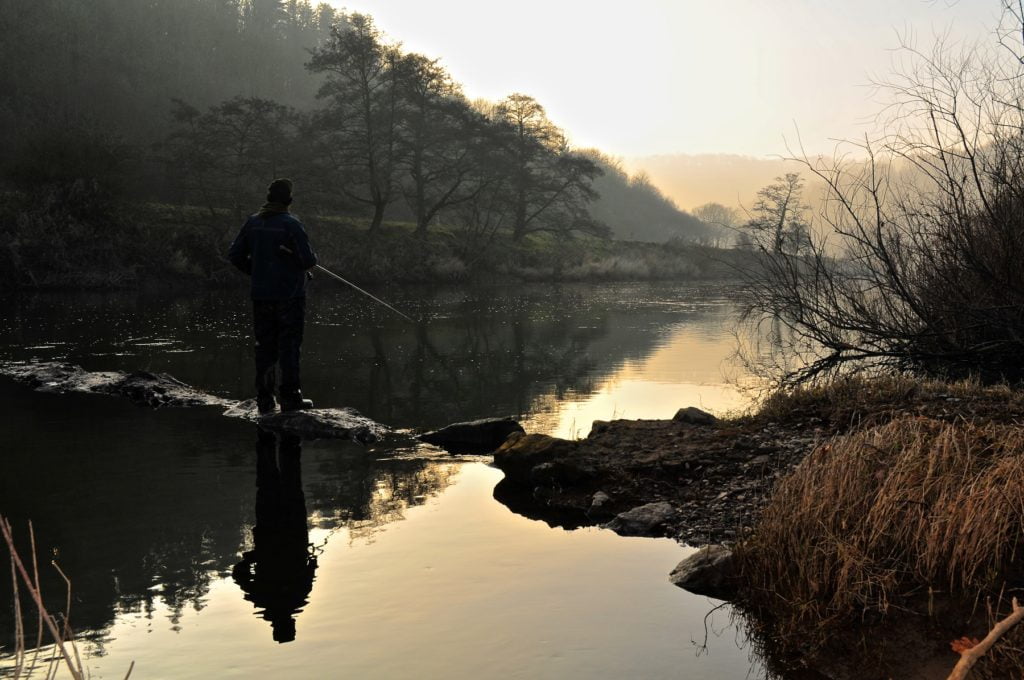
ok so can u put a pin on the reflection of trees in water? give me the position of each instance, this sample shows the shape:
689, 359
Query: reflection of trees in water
440, 372
146, 509
503, 355
363, 495
155, 543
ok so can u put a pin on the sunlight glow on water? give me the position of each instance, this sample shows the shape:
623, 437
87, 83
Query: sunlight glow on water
461, 589
691, 367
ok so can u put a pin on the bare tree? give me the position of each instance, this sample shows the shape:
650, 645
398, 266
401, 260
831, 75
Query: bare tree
440, 140
922, 269
779, 216
550, 183
360, 125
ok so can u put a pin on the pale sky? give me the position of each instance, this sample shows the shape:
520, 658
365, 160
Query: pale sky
680, 76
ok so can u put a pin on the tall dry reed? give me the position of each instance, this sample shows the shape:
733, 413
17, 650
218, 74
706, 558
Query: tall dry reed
889, 518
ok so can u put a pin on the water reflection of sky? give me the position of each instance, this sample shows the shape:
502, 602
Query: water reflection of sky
691, 366
420, 573
460, 589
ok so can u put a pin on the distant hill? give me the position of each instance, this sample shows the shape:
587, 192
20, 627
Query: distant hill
637, 210
692, 180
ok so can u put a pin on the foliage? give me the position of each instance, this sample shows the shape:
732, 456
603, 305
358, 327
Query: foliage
221, 158
256, 89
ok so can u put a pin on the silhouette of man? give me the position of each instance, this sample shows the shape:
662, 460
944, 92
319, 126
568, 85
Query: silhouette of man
277, 574
273, 249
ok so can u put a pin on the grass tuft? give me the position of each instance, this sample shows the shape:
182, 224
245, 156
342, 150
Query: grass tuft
883, 520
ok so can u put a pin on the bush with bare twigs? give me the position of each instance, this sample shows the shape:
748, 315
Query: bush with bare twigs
915, 263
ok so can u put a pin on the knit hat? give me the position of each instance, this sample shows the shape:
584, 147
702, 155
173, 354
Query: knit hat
280, 191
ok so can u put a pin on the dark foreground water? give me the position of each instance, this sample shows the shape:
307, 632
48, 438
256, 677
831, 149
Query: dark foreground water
363, 563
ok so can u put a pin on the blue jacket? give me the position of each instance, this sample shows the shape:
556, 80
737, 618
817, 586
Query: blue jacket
276, 274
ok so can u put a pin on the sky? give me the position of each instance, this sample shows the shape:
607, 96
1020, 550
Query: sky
653, 77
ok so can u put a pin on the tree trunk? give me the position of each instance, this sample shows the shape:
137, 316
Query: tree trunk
378, 216
519, 228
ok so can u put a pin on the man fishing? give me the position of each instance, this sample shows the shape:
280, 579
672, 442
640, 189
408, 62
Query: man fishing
274, 250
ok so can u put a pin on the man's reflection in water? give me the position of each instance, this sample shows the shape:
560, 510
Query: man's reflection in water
277, 574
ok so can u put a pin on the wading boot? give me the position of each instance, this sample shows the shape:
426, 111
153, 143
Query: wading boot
293, 401
265, 404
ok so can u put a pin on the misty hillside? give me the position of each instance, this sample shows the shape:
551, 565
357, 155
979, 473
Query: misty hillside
729, 179
636, 210
201, 102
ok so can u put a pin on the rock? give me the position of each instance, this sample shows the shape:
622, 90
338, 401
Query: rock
477, 436
158, 390
600, 507
154, 390
318, 423
694, 416
710, 571
522, 452
561, 473
653, 519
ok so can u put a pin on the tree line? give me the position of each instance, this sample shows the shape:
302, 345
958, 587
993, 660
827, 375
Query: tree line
199, 102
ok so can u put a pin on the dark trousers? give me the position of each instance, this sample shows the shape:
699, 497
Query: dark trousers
278, 328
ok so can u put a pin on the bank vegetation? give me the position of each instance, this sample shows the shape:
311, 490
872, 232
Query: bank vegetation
902, 533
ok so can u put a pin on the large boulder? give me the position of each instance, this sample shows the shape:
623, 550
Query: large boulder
521, 453
476, 436
710, 571
694, 416
652, 519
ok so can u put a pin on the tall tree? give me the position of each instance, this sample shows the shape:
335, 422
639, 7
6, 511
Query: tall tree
779, 219
360, 122
441, 140
550, 183
224, 155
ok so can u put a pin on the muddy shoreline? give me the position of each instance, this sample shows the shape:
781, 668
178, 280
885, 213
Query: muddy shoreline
714, 476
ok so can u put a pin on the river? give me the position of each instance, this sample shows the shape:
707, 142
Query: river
405, 565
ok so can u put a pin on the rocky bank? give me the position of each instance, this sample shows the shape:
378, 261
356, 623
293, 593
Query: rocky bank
693, 478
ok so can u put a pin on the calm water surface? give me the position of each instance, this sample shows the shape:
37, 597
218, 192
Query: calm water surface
370, 563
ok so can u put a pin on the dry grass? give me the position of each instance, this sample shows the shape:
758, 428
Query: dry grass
64, 653
863, 401
886, 519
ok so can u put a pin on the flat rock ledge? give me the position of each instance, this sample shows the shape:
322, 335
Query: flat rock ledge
155, 390
159, 390
316, 423
710, 571
475, 436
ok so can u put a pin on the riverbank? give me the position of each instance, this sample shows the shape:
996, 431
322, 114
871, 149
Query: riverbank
873, 521
85, 241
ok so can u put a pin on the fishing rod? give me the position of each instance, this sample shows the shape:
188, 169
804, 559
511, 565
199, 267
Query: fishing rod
327, 271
